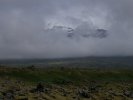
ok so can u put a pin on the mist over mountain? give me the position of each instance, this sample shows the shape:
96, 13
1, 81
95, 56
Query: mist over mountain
65, 28
77, 33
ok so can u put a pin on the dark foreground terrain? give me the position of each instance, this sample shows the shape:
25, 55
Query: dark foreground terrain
30, 83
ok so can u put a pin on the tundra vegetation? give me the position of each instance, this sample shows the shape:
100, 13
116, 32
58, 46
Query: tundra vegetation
65, 83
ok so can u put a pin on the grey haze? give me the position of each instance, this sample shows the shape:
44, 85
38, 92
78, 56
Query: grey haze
65, 28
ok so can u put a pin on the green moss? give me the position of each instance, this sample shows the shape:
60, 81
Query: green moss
67, 75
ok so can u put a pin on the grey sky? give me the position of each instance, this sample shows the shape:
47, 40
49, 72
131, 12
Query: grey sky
39, 28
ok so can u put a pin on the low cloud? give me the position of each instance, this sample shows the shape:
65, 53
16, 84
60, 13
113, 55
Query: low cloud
65, 28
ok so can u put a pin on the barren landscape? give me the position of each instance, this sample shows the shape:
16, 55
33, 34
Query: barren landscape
59, 83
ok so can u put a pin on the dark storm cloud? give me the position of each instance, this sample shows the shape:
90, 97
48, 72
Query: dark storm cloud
40, 28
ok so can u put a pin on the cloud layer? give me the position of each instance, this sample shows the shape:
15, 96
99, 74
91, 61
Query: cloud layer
40, 28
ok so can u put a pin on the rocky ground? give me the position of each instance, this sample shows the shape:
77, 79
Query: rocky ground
12, 88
